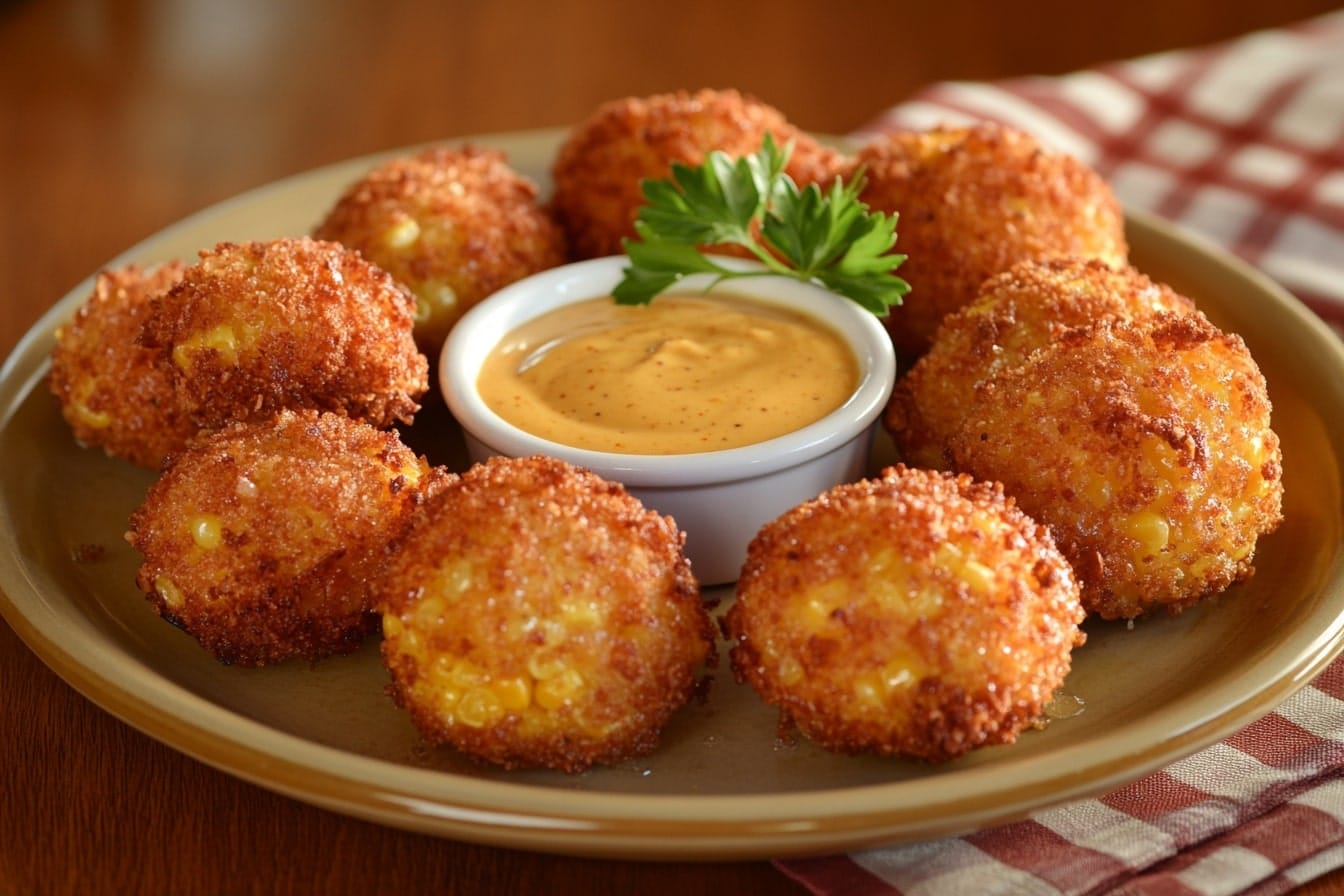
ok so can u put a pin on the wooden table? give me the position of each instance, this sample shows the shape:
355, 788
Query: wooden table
118, 118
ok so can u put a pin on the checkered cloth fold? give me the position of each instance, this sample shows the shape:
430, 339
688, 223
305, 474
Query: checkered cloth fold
1243, 143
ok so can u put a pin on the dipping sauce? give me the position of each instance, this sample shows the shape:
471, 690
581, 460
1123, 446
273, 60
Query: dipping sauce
680, 375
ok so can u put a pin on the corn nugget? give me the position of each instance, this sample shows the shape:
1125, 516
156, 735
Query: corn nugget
537, 615
264, 540
917, 614
974, 201
1146, 447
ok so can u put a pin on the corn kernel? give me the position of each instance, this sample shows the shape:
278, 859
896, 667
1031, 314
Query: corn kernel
1151, 531
581, 613
89, 417
429, 612
789, 671
402, 234
432, 298
171, 594
453, 581
867, 691
816, 612
447, 700
552, 693
1098, 491
479, 707
221, 340
466, 674
514, 694
207, 531
977, 576
544, 665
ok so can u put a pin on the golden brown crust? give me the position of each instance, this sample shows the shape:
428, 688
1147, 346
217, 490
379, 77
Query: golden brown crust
598, 169
973, 201
253, 328
1146, 446
451, 224
111, 390
1015, 313
263, 540
918, 614
537, 615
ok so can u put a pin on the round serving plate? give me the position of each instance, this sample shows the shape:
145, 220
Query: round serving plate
721, 785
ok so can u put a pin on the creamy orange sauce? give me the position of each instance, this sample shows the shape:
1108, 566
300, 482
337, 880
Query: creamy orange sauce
680, 375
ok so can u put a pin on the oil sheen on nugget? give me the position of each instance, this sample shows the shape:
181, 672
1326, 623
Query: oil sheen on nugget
917, 614
263, 540
537, 615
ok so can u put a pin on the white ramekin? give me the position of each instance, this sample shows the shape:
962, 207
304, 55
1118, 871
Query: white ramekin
720, 499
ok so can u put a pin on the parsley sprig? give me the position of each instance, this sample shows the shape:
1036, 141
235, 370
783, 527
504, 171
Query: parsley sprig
830, 238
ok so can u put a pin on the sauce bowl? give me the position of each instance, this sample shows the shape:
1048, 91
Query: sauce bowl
720, 499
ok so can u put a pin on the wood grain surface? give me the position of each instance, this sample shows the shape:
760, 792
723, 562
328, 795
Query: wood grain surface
118, 118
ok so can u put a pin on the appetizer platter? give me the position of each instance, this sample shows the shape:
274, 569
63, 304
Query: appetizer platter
722, 782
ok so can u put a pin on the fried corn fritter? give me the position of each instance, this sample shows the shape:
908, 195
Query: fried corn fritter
537, 615
256, 327
598, 170
916, 614
111, 391
1146, 447
264, 540
1015, 313
973, 201
451, 224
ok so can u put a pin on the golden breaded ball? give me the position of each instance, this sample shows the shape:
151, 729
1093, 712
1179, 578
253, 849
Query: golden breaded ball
1146, 447
539, 616
256, 327
264, 540
452, 225
974, 201
917, 614
599, 168
1016, 312
111, 391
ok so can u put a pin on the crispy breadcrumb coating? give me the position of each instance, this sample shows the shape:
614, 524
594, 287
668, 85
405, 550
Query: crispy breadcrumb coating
256, 327
539, 616
111, 390
974, 201
917, 614
1145, 446
1016, 312
599, 168
264, 540
451, 224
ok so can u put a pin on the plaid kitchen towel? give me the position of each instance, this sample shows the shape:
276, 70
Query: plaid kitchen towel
1242, 143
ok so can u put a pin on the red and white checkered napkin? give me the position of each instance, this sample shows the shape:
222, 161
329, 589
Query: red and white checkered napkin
1243, 143
1261, 812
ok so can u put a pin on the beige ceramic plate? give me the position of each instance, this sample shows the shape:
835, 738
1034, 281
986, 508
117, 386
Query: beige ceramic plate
720, 786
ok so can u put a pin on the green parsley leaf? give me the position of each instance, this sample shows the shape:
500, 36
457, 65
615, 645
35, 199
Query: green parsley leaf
825, 237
